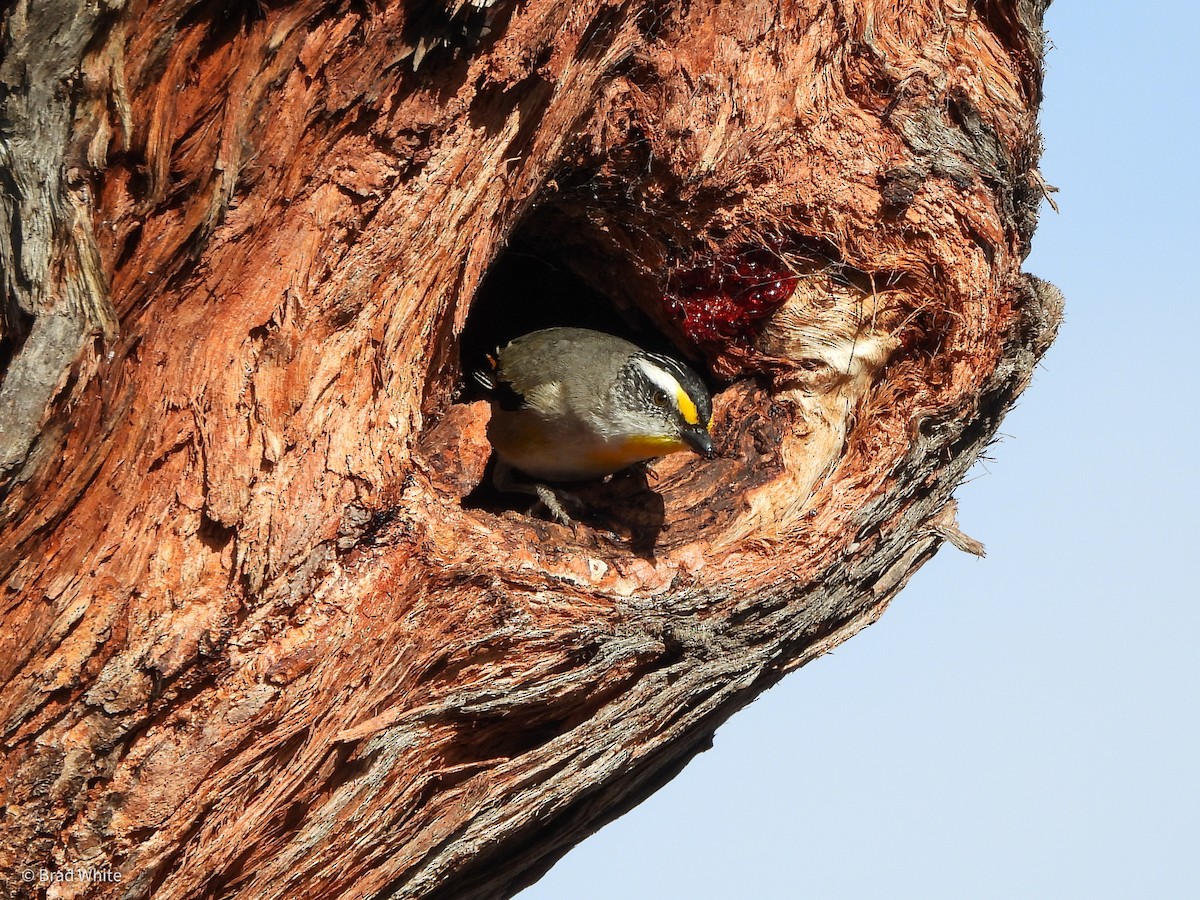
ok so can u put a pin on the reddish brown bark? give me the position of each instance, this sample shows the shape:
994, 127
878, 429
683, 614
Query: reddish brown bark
254, 644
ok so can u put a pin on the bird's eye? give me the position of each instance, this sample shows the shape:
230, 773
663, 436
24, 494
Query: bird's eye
661, 400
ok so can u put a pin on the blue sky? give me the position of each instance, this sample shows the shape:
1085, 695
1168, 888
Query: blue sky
1023, 726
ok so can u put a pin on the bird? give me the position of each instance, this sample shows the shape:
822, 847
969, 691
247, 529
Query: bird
573, 404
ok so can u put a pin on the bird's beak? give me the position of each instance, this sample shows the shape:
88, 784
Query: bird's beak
698, 440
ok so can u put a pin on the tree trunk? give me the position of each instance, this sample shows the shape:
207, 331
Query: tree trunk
264, 635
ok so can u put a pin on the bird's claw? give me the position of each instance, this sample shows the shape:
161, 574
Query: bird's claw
553, 501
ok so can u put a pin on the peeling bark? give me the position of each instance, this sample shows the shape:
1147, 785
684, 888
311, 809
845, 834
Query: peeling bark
52, 287
263, 633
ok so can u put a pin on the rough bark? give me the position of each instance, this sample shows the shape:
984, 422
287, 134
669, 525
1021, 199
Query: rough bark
262, 636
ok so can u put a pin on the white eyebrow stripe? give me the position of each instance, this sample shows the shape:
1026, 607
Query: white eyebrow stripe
660, 377
671, 365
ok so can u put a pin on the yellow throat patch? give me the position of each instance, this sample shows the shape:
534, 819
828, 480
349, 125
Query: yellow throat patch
635, 449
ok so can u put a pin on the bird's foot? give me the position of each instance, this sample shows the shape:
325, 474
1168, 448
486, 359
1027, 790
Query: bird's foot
553, 501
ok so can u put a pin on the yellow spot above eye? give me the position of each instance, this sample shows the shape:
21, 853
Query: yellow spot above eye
687, 408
